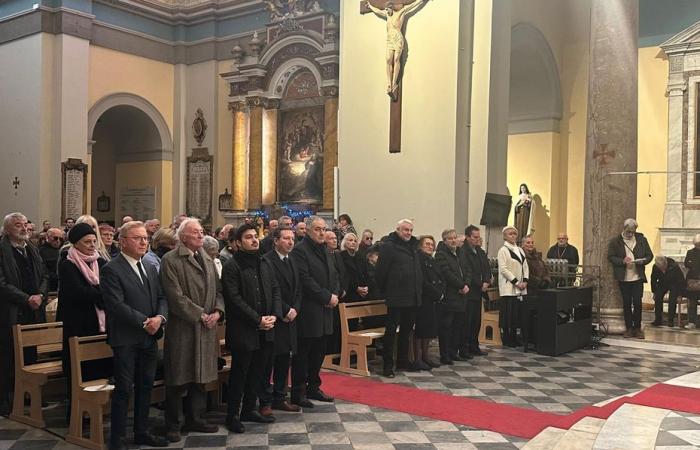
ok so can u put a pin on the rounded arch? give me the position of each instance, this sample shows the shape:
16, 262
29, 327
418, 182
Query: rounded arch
287, 70
126, 99
277, 45
535, 89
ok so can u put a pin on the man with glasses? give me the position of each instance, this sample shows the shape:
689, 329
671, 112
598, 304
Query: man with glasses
136, 311
49, 252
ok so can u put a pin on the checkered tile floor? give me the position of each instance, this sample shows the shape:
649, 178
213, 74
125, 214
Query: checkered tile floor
558, 385
679, 431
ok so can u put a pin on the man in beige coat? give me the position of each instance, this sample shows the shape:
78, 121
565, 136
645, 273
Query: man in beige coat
196, 304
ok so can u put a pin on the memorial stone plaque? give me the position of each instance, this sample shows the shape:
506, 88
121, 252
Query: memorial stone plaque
74, 189
137, 202
199, 184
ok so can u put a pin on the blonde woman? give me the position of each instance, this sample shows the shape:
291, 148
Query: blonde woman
513, 273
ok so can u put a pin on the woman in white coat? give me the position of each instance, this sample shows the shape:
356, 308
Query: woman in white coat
512, 285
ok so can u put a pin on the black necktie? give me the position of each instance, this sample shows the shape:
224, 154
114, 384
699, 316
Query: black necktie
284, 260
144, 278
200, 261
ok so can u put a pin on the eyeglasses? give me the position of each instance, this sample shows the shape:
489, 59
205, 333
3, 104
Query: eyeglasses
137, 238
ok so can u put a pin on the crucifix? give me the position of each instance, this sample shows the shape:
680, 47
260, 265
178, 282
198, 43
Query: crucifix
395, 13
15, 183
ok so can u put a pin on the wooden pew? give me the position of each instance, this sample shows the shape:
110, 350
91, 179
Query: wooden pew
30, 379
92, 398
490, 332
356, 341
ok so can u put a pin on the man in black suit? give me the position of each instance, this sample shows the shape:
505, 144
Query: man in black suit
136, 311
252, 299
320, 288
23, 290
481, 279
287, 274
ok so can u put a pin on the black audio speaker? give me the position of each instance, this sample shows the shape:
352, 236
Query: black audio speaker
496, 210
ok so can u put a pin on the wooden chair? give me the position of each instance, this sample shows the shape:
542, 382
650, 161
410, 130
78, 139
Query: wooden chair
30, 379
490, 332
88, 397
357, 341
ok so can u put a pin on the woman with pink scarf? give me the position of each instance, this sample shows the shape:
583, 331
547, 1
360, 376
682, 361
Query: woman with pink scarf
79, 297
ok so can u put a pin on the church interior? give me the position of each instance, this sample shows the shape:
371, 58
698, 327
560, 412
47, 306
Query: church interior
227, 110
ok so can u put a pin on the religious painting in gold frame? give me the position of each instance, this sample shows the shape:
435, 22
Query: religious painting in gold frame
300, 156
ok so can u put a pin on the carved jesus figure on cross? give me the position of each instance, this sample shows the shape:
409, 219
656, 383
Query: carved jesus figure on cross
395, 41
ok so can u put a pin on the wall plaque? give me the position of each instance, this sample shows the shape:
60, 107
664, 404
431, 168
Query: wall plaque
137, 202
199, 184
73, 189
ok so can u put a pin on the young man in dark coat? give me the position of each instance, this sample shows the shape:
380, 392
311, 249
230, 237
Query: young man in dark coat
23, 290
452, 314
252, 299
481, 278
320, 289
628, 253
287, 273
400, 278
666, 276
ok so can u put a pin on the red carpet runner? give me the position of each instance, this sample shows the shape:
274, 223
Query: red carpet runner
487, 415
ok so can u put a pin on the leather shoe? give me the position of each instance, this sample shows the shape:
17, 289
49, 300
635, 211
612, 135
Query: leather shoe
234, 425
266, 411
173, 436
478, 352
420, 365
200, 427
284, 405
150, 440
320, 396
446, 361
461, 357
388, 373
302, 402
432, 363
254, 416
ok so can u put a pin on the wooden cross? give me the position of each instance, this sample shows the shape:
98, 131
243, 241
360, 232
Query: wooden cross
15, 183
395, 95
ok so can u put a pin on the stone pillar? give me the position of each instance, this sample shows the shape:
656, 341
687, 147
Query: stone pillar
490, 94
255, 152
238, 158
611, 143
330, 146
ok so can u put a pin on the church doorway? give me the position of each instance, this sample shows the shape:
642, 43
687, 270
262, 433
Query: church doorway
131, 160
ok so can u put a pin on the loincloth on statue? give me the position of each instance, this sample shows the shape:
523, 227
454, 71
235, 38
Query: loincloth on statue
394, 41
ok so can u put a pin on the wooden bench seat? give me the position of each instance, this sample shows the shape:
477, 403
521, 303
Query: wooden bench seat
356, 341
31, 378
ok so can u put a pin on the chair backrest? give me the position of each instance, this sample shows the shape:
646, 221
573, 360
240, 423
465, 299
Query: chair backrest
33, 336
86, 348
355, 310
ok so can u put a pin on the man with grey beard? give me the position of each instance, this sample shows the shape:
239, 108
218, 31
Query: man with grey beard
23, 290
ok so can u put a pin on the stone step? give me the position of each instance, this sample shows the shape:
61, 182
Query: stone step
582, 435
547, 439
632, 427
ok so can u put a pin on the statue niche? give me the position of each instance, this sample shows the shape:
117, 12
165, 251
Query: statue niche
300, 143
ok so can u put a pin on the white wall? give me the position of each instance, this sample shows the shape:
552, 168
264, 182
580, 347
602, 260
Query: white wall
378, 188
23, 127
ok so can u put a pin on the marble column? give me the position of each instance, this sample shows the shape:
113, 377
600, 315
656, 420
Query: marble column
330, 146
238, 158
255, 152
269, 168
611, 141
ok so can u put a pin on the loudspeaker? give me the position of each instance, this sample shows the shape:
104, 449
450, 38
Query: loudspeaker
496, 210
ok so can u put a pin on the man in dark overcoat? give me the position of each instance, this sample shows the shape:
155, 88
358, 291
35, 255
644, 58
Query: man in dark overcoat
400, 278
478, 265
23, 291
252, 299
320, 289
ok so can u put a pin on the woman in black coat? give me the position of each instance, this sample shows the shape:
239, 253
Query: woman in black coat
355, 268
80, 306
433, 292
